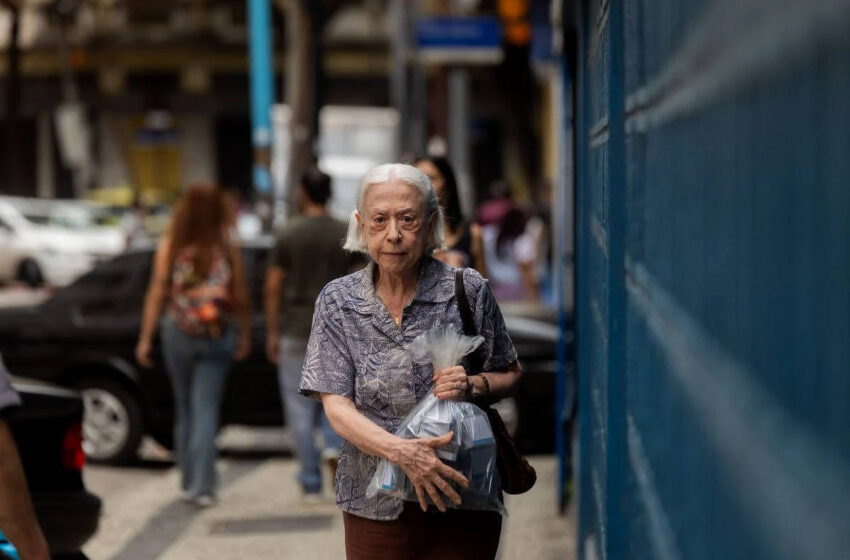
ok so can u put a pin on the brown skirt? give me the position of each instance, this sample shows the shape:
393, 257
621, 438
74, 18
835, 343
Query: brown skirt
418, 535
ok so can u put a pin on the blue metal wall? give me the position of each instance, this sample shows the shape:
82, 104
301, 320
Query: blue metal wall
713, 258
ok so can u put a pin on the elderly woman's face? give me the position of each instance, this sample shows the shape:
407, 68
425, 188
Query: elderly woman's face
394, 225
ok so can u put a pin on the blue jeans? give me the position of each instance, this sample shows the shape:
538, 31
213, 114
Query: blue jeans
303, 414
197, 368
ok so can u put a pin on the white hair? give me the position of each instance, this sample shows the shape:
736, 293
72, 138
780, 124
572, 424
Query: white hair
408, 175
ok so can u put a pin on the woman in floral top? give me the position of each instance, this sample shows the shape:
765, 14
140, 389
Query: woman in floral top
357, 365
197, 276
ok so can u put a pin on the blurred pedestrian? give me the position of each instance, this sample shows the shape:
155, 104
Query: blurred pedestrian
357, 364
464, 246
307, 255
539, 227
17, 518
198, 277
512, 257
498, 202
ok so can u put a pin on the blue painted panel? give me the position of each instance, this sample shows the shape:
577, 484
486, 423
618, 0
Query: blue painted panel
593, 295
714, 279
590, 517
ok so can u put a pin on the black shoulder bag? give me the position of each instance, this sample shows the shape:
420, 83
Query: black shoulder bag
516, 474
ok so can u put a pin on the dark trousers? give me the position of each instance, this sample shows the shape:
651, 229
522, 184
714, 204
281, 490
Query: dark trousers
418, 535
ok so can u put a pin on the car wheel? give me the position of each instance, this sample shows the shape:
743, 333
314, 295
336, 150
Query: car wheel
30, 273
112, 423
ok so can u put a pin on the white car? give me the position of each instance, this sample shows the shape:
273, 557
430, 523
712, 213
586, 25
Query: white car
52, 241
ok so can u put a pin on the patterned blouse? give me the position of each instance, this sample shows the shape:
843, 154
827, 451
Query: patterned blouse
201, 305
357, 351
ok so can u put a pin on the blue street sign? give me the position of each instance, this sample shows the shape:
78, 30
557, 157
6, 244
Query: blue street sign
460, 40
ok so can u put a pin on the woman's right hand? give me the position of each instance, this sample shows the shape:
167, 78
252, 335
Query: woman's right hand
143, 353
426, 472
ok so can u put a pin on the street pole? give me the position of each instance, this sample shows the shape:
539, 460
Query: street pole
458, 98
458, 128
418, 125
399, 91
262, 97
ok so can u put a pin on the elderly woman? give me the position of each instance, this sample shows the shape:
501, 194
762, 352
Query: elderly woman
356, 363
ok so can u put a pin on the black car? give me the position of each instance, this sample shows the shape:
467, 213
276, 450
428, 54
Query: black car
48, 433
84, 337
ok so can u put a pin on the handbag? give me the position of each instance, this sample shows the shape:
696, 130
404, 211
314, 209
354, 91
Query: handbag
517, 476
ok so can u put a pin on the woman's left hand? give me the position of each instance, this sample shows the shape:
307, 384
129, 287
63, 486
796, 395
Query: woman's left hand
243, 348
451, 383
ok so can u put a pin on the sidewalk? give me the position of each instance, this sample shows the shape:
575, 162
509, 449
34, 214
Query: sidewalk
260, 515
533, 529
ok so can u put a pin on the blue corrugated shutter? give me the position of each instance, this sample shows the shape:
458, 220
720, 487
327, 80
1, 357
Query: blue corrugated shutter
713, 259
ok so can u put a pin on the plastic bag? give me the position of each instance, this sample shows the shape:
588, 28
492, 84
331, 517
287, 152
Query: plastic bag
442, 347
472, 451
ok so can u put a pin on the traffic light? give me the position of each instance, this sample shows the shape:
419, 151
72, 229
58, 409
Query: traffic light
514, 14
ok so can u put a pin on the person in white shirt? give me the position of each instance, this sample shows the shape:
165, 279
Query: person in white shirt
512, 256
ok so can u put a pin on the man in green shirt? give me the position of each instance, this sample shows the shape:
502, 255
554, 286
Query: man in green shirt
307, 255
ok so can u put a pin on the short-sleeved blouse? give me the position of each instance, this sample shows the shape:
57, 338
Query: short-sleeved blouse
356, 350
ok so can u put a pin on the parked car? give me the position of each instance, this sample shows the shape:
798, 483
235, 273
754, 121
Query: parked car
83, 336
48, 432
52, 241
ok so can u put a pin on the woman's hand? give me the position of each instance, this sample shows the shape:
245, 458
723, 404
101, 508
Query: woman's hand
424, 469
243, 347
451, 383
143, 353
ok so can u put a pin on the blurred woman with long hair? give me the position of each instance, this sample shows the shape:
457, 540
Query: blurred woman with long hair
464, 246
198, 278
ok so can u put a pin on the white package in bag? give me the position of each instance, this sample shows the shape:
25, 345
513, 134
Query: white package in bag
472, 451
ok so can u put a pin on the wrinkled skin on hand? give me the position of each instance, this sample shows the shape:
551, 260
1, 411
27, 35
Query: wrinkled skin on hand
426, 472
451, 383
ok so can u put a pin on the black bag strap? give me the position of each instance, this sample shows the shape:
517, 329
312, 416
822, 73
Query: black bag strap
475, 363
463, 305
516, 474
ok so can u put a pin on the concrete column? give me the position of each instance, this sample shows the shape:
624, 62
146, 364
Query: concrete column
300, 93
